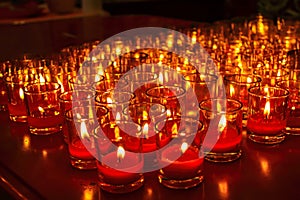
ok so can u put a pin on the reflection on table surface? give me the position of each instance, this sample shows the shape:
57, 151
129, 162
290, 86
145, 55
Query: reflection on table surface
38, 167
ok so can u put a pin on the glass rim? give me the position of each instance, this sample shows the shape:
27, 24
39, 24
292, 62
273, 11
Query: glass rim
236, 101
286, 92
57, 88
69, 113
183, 91
60, 97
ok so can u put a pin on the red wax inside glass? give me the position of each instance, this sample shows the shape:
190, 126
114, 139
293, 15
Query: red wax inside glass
229, 140
188, 165
259, 124
127, 167
78, 150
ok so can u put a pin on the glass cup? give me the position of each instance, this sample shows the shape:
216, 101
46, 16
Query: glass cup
75, 98
84, 81
120, 162
139, 82
237, 86
267, 114
81, 122
293, 110
271, 76
173, 97
107, 85
16, 103
181, 160
44, 112
224, 117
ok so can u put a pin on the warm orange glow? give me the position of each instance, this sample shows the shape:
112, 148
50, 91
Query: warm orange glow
145, 130
169, 114
184, 147
97, 77
222, 123
118, 116
231, 90
120, 153
44, 153
145, 115
174, 129
249, 80
42, 79
88, 194
160, 78
109, 100
42, 111
26, 142
265, 167
61, 85
223, 189
83, 130
117, 133
267, 109
21, 93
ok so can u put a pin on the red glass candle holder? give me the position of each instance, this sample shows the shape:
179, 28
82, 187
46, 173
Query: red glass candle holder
271, 76
107, 85
75, 98
293, 110
115, 101
204, 86
139, 82
44, 112
237, 86
16, 97
120, 162
222, 119
181, 159
267, 114
81, 122
173, 97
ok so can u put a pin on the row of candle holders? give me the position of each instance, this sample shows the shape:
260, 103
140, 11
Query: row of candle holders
152, 109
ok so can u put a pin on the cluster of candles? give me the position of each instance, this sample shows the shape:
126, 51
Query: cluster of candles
125, 112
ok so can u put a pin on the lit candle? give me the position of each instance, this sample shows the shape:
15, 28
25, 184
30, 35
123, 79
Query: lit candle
269, 120
77, 144
188, 165
120, 167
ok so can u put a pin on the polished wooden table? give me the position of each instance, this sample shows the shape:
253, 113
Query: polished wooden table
38, 168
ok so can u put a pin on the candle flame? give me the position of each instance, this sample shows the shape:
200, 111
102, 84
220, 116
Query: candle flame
42, 79
145, 130
174, 129
117, 134
169, 114
231, 91
83, 130
41, 109
21, 93
249, 80
160, 77
120, 153
278, 73
118, 116
109, 100
97, 77
267, 109
145, 115
184, 147
222, 123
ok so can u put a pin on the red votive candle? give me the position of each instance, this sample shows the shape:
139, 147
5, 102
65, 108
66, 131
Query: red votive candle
267, 114
223, 129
